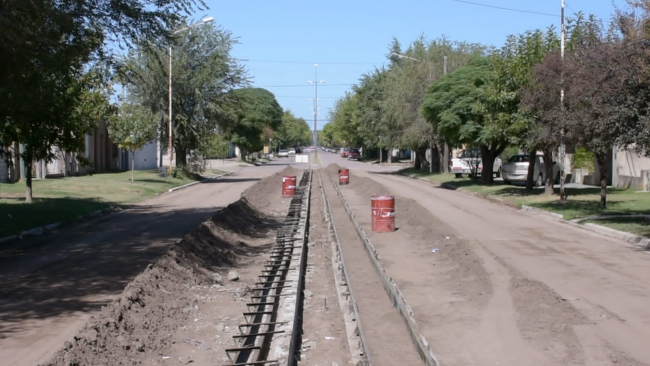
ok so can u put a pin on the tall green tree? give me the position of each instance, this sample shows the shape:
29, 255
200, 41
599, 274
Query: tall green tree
459, 109
204, 74
293, 131
131, 128
47, 48
251, 110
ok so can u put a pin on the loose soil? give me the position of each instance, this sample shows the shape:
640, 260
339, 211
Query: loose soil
388, 342
324, 340
182, 307
468, 303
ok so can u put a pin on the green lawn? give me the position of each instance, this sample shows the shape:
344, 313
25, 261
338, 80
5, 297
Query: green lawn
580, 203
63, 199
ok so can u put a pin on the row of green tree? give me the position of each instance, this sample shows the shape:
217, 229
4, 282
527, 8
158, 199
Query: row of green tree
525, 94
62, 58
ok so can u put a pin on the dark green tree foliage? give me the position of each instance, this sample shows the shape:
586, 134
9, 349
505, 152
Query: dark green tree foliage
458, 106
344, 117
203, 74
251, 110
46, 46
293, 131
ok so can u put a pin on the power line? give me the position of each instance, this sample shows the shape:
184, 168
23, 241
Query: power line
295, 96
508, 9
298, 86
310, 63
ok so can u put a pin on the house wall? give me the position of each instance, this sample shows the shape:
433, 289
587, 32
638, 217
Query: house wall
145, 158
627, 169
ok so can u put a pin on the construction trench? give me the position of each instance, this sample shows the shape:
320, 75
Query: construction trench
273, 280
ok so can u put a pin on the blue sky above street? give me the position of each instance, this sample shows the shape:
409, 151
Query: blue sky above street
282, 40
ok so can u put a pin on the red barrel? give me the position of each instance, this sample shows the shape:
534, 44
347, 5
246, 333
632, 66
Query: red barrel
383, 214
344, 177
288, 186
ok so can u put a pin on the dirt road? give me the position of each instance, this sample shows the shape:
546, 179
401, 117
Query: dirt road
557, 295
50, 288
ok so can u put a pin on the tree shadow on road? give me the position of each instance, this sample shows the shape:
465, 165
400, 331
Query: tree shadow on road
81, 268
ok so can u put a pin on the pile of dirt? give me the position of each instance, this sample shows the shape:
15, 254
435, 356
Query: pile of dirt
136, 328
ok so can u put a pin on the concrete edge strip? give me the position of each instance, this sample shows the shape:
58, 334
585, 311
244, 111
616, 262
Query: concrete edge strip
641, 241
356, 337
197, 182
399, 302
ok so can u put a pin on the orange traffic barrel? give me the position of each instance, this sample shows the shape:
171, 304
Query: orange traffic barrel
383, 214
344, 177
288, 186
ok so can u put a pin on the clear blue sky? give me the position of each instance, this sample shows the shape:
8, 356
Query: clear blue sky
284, 39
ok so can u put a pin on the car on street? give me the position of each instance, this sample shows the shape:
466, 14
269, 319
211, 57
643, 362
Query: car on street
292, 152
283, 154
515, 170
344, 152
470, 159
354, 154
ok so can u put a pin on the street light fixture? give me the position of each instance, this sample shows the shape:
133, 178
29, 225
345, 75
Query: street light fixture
171, 147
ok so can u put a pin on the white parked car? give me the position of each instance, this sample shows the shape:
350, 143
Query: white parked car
516, 170
283, 154
470, 159
292, 151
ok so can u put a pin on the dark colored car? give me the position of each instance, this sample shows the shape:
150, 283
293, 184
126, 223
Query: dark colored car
354, 154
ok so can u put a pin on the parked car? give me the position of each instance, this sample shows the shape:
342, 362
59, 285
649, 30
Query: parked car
344, 152
354, 154
283, 154
471, 158
516, 170
292, 152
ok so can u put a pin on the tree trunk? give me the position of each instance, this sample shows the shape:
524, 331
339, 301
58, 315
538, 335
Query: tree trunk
28, 174
445, 158
132, 165
601, 158
420, 157
487, 158
389, 156
531, 169
548, 172
181, 157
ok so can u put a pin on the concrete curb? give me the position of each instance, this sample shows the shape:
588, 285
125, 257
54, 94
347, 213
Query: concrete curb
641, 241
197, 182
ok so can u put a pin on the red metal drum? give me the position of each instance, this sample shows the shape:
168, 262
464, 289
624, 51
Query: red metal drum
288, 186
344, 177
383, 214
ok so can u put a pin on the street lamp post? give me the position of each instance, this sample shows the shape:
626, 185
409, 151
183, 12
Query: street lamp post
171, 147
316, 82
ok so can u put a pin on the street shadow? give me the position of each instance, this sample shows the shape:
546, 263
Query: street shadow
230, 180
15, 218
82, 267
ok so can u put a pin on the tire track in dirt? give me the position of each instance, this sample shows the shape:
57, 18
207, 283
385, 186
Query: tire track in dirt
473, 308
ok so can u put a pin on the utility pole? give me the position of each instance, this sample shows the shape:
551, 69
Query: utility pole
316, 82
562, 147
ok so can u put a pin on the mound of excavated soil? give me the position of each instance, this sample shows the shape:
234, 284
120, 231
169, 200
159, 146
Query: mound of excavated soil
134, 329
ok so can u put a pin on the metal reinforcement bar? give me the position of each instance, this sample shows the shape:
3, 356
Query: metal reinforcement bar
275, 309
347, 300
420, 342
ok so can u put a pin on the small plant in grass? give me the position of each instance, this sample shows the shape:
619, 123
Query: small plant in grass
131, 129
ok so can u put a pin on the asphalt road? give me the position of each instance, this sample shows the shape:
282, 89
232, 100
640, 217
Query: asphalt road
55, 282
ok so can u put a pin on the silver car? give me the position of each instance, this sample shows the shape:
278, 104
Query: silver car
516, 170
